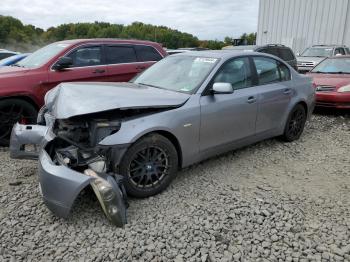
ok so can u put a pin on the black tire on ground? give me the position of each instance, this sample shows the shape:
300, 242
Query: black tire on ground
14, 110
149, 165
295, 124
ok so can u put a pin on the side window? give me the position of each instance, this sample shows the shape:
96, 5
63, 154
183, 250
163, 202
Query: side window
120, 54
267, 70
347, 50
284, 72
339, 51
236, 72
147, 53
286, 54
86, 56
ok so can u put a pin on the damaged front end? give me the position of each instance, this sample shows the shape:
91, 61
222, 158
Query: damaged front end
73, 160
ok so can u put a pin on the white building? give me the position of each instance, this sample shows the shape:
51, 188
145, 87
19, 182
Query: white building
301, 23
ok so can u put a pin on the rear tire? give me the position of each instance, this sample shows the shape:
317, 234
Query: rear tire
14, 110
295, 124
149, 165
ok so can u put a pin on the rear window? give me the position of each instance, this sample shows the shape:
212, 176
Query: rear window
147, 53
270, 50
120, 54
286, 54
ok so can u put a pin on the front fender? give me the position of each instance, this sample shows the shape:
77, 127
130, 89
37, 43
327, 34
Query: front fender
131, 132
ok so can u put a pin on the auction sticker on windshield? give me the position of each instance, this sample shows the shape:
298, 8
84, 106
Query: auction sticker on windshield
205, 60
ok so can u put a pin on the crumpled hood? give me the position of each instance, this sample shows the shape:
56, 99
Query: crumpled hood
73, 99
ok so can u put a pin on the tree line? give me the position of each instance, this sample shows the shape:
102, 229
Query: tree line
14, 34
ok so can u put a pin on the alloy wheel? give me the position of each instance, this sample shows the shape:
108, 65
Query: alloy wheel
148, 167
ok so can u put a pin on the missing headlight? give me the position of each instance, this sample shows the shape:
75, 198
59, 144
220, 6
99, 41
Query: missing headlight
99, 129
111, 195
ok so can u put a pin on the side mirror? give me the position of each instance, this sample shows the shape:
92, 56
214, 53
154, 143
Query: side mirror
63, 63
298, 54
222, 88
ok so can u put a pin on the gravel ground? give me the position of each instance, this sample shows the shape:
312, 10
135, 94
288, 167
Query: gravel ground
272, 201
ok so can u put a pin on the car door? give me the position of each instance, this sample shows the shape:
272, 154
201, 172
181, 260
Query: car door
121, 62
227, 118
274, 92
88, 65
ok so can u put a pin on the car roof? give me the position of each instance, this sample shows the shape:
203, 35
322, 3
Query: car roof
328, 46
7, 52
107, 40
241, 47
221, 54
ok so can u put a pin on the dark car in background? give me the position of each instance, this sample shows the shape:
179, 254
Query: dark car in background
281, 51
331, 79
13, 59
316, 53
6, 53
23, 86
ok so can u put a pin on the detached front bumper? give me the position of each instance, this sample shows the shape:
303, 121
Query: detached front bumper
26, 141
60, 186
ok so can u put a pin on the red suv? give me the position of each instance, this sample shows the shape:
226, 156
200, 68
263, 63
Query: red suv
24, 85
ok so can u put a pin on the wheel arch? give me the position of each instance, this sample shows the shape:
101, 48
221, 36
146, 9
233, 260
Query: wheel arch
26, 98
303, 103
171, 137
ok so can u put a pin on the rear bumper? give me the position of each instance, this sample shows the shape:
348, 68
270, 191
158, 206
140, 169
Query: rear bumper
26, 141
333, 99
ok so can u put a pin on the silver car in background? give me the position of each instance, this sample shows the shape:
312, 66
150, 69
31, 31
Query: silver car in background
182, 110
315, 54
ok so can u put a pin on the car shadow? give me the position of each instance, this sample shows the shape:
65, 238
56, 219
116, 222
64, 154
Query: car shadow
332, 112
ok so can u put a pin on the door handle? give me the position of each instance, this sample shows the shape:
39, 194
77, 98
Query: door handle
251, 99
141, 67
99, 71
287, 91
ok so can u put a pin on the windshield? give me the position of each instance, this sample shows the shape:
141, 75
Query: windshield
318, 52
333, 66
41, 56
177, 73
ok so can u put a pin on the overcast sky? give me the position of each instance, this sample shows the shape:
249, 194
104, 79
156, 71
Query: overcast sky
206, 19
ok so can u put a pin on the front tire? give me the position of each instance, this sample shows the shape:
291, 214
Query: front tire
295, 124
12, 111
149, 166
